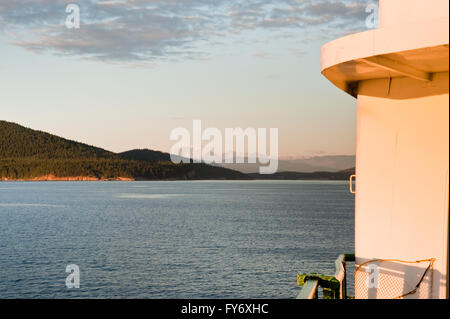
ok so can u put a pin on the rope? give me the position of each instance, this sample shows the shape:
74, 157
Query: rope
413, 291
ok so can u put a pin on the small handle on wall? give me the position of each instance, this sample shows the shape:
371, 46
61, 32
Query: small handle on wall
352, 177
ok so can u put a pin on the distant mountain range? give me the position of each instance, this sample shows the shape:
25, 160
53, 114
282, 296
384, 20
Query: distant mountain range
335, 176
27, 154
332, 163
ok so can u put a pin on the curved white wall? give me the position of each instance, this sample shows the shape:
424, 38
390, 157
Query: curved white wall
402, 169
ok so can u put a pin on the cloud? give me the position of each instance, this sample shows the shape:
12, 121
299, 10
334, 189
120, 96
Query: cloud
141, 31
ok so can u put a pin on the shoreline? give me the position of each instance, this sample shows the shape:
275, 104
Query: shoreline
52, 178
70, 179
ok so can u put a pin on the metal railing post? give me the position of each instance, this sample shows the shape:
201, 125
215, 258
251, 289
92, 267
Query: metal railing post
334, 287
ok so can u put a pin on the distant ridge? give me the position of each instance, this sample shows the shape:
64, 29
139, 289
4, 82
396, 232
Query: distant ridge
329, 163
27, 154
146, 155
341, 175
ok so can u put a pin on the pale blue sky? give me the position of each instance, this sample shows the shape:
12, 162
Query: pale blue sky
124, 80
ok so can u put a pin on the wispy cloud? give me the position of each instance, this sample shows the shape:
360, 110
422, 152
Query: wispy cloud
141, 31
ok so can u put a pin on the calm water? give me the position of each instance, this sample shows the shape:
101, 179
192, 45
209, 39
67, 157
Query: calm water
170, 239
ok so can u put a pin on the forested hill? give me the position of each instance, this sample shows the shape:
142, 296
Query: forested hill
18, 142
27, 154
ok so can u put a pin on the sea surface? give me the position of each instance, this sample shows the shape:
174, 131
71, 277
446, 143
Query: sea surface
218, 239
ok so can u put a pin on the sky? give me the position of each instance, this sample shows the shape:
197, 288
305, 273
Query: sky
137, 69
